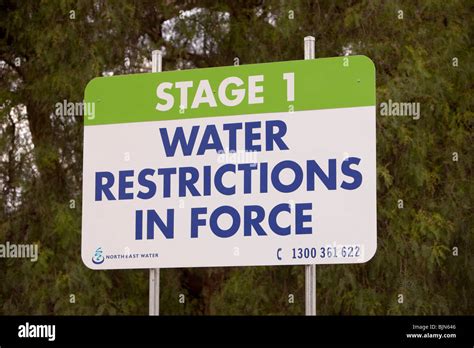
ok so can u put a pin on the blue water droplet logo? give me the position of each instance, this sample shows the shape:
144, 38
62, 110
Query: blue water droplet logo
98, 258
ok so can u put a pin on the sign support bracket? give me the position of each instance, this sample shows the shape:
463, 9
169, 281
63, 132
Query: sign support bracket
310, 270
154, 292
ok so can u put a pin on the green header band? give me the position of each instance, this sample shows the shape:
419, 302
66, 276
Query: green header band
325, 83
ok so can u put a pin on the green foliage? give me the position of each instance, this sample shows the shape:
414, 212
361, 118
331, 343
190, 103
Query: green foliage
40, 171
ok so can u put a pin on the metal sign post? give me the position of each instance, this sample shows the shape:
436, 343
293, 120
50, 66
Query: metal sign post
310, 270
154, 297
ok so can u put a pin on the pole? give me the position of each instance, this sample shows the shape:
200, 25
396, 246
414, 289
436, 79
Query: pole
310, 270
154, 294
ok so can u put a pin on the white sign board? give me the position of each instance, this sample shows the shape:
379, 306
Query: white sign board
270, 164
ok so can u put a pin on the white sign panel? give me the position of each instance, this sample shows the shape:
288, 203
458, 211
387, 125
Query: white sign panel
296, 186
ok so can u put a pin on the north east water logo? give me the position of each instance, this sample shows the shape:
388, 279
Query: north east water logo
98, 258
